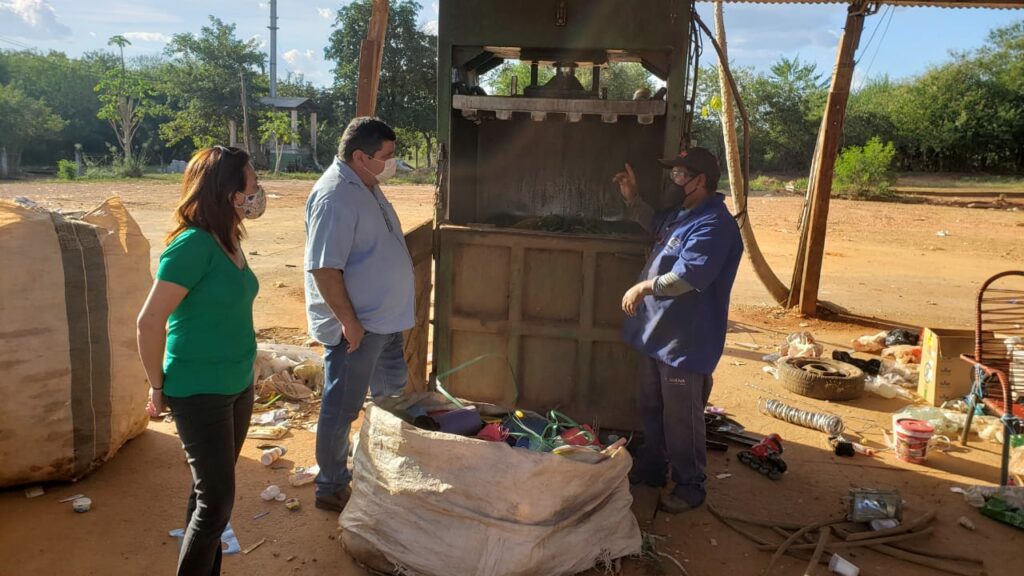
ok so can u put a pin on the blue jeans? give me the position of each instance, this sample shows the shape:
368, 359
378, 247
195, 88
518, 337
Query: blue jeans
671, 402
378, 365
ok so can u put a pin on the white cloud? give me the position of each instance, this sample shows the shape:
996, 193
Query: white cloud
260, 42
759, 35
291, 56
146, 36
31, 19
325, 13
430, 27
93, 34
309, 54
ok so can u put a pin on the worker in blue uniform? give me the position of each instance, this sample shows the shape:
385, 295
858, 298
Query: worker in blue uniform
677, 316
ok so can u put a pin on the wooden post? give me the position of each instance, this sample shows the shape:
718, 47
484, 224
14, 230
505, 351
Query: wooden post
232, 132
295, 128
312, 136
825, 157
371, 55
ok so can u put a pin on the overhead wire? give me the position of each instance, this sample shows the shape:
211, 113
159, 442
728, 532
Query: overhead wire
878, 47
745, 120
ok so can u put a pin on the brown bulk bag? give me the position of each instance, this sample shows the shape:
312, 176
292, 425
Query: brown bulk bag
72, 390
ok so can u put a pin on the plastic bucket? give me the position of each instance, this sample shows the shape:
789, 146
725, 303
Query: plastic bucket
912, 438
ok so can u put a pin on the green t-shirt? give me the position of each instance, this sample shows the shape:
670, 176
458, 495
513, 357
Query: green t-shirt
211, 343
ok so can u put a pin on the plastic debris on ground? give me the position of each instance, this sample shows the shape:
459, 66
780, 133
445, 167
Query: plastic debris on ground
904, 353
228, 538
869, 367
889, 386
267, 432
34, 491
900, 336
801, 345
1017, 455
966, 523
272, 417
1002, 503
873, 344
304, 475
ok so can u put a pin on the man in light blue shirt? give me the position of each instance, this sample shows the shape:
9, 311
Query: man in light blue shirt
359, 293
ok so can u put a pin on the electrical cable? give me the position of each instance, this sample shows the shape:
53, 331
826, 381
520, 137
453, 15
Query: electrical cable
745, 165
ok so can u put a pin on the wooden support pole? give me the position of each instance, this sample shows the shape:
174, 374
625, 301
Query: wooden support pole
371, 56
825, 156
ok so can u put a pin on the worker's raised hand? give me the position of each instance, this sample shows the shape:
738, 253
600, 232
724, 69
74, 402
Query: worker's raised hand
627, 184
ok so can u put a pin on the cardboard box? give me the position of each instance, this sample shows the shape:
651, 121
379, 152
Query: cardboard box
944, 376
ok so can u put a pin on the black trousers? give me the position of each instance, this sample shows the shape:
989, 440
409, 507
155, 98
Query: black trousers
212, 428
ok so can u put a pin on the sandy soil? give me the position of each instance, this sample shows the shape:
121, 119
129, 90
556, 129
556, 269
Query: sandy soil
883, 260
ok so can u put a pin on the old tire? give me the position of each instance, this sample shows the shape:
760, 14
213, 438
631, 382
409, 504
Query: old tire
821, 378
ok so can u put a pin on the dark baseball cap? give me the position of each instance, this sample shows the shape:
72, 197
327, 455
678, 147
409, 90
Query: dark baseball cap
697, 160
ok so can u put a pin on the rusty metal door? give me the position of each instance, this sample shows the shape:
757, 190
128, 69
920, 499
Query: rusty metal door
546, 307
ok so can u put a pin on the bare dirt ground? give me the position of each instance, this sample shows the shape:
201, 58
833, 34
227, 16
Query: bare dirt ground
882, 260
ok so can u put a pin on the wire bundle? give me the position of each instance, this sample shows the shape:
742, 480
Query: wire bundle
827, 423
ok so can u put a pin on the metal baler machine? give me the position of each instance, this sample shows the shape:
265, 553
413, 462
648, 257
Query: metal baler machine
545, 306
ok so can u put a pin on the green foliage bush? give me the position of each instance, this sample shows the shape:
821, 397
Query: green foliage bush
865, 172
66, 170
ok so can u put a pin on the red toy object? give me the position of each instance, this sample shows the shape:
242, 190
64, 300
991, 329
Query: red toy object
765, 457
493, 432
583, 436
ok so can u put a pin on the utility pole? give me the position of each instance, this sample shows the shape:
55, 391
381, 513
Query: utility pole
371, 54
273, 48
245, 115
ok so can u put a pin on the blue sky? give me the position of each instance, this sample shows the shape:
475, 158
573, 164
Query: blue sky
907, 41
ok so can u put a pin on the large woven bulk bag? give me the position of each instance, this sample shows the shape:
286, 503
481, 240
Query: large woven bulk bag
434, 504
72, 387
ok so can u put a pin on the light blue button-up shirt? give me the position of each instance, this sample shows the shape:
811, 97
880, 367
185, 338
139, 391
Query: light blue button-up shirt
356, 230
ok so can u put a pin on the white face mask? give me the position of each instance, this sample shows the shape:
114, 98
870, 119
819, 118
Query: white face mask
390, 167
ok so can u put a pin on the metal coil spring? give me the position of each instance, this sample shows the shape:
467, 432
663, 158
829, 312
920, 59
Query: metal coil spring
827, 423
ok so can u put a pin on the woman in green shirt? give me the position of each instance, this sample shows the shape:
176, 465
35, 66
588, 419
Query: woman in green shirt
197, 341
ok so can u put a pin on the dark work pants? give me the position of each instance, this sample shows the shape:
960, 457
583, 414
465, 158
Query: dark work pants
212, 428
671, 402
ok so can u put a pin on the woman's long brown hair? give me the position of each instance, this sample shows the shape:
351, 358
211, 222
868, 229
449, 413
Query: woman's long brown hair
212, 177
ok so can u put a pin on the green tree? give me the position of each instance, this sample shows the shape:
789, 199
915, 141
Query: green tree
407, 93
276, 128
789, 103
869, 113
203, 83
65, 85
126, 98
23, 121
